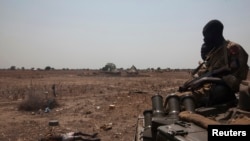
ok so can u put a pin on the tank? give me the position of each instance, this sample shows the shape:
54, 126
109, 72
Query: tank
166, 120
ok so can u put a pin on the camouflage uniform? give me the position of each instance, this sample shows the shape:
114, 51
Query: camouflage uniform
233, 56
230, 55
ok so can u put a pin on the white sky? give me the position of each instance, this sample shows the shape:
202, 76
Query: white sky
90, 33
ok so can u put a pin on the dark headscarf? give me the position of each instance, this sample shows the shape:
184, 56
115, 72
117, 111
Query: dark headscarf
213, 37
214, 26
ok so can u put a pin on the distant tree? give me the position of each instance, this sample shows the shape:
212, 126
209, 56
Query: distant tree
48, 68
13, 68
109, 67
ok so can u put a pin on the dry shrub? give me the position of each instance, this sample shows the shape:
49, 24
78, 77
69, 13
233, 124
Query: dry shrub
35, 102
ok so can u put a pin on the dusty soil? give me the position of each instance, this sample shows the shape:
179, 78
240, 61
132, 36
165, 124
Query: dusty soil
88, 101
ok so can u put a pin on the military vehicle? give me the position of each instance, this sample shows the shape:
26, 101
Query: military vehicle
177, 118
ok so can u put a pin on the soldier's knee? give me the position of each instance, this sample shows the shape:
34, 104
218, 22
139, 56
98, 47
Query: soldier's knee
220, 94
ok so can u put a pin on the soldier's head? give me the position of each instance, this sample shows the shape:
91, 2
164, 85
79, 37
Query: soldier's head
213, 33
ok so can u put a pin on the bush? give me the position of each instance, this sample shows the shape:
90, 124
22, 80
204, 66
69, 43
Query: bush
35, 102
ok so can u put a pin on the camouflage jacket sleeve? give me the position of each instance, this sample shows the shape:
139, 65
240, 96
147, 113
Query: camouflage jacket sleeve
237, 62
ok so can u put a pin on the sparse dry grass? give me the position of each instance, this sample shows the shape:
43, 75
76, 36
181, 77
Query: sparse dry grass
79, 93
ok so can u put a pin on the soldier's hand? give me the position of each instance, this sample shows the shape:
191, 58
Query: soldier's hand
198, 83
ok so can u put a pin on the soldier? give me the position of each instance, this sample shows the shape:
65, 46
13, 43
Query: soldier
224, 68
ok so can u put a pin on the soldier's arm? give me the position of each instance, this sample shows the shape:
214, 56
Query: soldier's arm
237, 60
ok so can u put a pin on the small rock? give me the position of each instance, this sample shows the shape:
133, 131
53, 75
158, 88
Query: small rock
111, 106
107, 127
98, 107
53, 122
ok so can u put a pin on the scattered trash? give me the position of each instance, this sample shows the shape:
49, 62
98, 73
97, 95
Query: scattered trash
53, 122
98, 107
47, 110
111, 106
88, 112
70, 136
107, 127
39, 111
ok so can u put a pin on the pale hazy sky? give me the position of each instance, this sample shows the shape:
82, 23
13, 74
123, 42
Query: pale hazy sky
90, 33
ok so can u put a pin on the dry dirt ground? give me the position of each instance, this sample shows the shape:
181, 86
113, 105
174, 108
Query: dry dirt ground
88, 101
